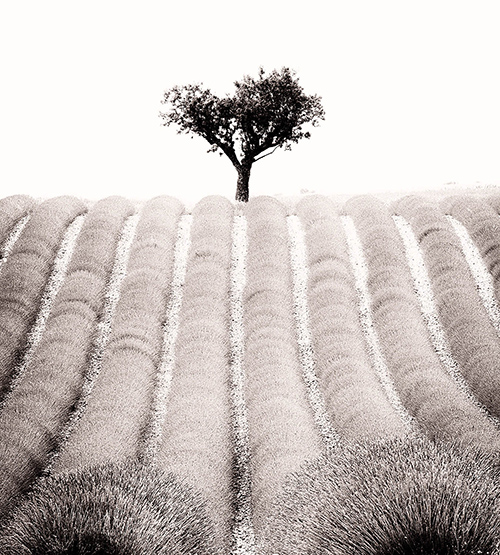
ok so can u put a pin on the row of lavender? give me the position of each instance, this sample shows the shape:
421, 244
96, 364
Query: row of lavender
231, 345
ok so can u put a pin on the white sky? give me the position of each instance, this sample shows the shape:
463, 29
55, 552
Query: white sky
411, 92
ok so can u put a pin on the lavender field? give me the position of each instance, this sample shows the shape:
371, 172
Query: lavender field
310, 377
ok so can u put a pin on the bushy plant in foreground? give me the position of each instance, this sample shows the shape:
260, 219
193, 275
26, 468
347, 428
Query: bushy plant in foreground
112, 509
396, 497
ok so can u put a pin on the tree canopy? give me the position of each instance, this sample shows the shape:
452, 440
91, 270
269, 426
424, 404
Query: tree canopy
265, 113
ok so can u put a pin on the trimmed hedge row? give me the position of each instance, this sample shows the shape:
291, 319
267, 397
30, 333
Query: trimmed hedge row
39, 406
459, 306
439, 408
476, 223
80, 319
52, 287
24, 275
243, 535
221, 381
363, 274
282, 431
87, 506
298, 262
12, 210
14, 215
113, 422
196, 436
357, 404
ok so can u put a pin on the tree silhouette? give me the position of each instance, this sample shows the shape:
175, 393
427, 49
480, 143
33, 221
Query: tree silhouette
264, 114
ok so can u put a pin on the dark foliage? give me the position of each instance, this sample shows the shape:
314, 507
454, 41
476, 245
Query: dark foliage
264, 113
112, 509
399, 497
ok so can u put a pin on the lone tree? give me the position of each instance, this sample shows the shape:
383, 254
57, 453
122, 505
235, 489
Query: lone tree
264, 114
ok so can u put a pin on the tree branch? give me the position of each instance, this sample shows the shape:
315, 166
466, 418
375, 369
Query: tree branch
269, 153
227, 149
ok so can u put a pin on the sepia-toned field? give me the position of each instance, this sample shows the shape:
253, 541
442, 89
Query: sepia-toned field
276, 378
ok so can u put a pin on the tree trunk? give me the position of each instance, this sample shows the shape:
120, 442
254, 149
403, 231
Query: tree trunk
242, 183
